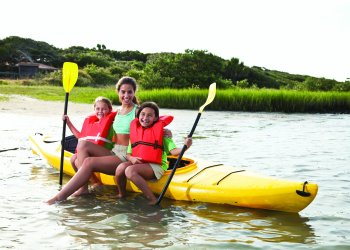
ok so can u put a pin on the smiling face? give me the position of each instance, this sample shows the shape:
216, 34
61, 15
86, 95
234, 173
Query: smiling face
101, 109
147, 117
126, 94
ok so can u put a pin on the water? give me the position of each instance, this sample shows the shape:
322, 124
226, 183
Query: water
312, 147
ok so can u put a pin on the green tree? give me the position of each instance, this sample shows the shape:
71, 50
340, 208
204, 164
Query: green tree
235, 70
243, 84
15, 49
319, 84
100, 75
129, 55
261, 78
151, 79
89, 57
192, 68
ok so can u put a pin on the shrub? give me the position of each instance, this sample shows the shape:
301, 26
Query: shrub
154, 80
243, 84
100, 76
342, 86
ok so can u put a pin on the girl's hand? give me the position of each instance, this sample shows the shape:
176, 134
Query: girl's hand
135, 160
188, 142
167, 133
65, 117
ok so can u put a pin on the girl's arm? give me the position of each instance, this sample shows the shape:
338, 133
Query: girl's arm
177, 151
133, 160
71, 127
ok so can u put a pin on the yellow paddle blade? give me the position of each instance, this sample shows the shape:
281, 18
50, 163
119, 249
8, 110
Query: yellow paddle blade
211, 96
69, 75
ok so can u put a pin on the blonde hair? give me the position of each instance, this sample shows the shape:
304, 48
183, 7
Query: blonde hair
104, 100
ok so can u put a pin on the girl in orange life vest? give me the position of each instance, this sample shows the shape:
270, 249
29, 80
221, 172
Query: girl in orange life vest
146, 140
97, 128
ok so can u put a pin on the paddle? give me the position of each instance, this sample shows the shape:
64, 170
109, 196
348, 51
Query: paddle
210, 98
69, 78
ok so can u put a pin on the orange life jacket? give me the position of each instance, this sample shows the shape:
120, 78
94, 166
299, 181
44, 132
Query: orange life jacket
95, 130
147, 143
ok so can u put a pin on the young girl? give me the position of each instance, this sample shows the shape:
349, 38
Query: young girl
147, 151
97, 128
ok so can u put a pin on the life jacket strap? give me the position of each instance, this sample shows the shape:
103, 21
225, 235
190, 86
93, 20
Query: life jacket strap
95, 138
155, 145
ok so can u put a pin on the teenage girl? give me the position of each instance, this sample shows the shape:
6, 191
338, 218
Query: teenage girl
93, 158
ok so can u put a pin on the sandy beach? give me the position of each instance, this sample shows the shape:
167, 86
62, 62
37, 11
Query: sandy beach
28, 105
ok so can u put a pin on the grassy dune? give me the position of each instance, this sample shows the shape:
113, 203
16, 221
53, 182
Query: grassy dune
265, 100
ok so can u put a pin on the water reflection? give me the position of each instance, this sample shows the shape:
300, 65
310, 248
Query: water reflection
268, 226
306, 147
100, 218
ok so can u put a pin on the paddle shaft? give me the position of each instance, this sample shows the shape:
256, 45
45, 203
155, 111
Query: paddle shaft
63, 137
178, 161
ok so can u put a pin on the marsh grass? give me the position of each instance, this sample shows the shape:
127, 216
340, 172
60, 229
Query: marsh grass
4, 98
255, 100
262, 100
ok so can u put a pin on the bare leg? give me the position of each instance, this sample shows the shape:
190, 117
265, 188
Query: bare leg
106, 164
120, 178
88, 149
84, 189
72, 161
138, 174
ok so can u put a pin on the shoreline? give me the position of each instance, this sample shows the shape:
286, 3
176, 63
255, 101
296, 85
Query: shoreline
29, 105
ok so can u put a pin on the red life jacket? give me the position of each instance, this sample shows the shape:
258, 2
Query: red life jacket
147, 143
95, 130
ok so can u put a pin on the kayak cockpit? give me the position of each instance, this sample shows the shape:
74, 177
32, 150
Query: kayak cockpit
185, 163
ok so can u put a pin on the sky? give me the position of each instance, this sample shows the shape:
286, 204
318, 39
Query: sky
308, 37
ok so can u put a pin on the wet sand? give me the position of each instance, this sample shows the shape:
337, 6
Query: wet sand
28, 105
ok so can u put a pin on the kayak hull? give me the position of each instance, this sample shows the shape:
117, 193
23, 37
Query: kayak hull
203, 181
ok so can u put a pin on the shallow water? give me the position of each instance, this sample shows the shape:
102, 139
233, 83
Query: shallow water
312, 147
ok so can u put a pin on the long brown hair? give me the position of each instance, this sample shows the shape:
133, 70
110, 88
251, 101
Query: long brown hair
131, 81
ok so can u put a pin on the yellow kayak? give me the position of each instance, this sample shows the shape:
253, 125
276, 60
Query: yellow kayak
204, 181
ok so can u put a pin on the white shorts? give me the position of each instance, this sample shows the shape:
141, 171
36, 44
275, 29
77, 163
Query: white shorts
157, 169
120, 152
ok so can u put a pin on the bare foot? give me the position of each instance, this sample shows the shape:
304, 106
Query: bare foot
52, 200
96, 185
120, 196
152, 202
95, 182
81, 191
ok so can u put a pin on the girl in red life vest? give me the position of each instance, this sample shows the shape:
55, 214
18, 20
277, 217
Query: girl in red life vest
97, 128
147, 151
93, 158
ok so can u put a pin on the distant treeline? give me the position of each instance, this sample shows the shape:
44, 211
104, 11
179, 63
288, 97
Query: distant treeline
100, 66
